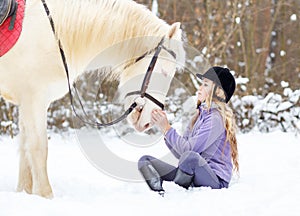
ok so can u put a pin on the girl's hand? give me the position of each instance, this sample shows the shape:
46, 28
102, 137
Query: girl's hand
159, 118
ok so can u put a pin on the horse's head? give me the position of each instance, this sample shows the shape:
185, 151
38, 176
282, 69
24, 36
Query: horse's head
170, 56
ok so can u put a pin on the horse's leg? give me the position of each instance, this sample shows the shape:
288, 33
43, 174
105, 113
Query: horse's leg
33, 115
25, 177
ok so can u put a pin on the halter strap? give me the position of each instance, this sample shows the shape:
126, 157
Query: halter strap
146, 95
149, 72
171, 52
150, 69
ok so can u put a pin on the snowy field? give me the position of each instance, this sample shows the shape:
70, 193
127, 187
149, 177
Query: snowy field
269, 184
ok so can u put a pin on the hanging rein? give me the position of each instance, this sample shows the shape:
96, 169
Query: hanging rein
142, 93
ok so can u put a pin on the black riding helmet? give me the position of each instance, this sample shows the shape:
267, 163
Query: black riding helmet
222, 78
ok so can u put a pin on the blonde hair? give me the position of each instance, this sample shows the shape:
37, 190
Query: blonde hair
230, 126
228, 119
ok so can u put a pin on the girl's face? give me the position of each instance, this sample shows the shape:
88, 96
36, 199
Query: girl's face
205, 89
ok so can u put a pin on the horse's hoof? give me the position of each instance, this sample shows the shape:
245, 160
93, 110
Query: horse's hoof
45, 192
26, 189
49, 196
45, 195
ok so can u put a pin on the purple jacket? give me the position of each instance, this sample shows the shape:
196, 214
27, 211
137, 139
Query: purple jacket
208, 139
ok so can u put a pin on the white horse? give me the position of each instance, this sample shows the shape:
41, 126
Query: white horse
32, 73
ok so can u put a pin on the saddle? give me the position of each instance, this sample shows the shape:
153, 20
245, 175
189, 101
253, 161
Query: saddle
11, 23
8, 8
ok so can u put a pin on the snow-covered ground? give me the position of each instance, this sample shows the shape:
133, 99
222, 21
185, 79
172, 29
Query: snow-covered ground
269, 183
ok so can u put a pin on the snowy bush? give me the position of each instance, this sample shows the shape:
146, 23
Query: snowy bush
8, 118
268, 113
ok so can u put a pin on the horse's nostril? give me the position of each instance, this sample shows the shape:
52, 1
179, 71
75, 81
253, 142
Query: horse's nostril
147, 125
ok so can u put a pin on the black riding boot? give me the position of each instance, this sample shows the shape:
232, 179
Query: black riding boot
183, 179
152, 178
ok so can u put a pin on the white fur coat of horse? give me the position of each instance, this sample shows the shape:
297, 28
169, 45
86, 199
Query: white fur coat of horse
32, 74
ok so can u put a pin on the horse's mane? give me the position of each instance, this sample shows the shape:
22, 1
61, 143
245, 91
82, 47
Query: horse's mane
102, 23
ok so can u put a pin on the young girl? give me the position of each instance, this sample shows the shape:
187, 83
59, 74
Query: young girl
207, 151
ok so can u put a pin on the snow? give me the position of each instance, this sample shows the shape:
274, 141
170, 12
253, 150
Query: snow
293, 17
282, 53
272, 55
268, 182
284, 84
6, 123
155, 7
241, 80
284, 106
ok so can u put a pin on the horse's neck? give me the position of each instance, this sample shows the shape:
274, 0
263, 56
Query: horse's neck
87, 28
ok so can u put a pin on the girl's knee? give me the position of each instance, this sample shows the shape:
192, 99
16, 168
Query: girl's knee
190, 159
144, 160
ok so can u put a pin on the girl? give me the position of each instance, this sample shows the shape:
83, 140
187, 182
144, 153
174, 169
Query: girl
207, 151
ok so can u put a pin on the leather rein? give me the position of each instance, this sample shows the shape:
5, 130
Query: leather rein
141, 92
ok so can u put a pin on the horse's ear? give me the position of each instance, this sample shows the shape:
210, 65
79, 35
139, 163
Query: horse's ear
174, 30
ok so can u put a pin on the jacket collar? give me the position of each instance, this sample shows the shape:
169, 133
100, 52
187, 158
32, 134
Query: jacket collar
203, 106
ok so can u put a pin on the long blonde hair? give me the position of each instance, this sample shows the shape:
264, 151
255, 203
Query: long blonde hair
228, 119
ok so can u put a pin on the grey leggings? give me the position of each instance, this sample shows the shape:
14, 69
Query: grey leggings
191, 163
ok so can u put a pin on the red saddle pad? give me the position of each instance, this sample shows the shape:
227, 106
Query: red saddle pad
8, 38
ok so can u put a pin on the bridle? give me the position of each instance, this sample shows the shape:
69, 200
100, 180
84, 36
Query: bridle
148, 74
142, 93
